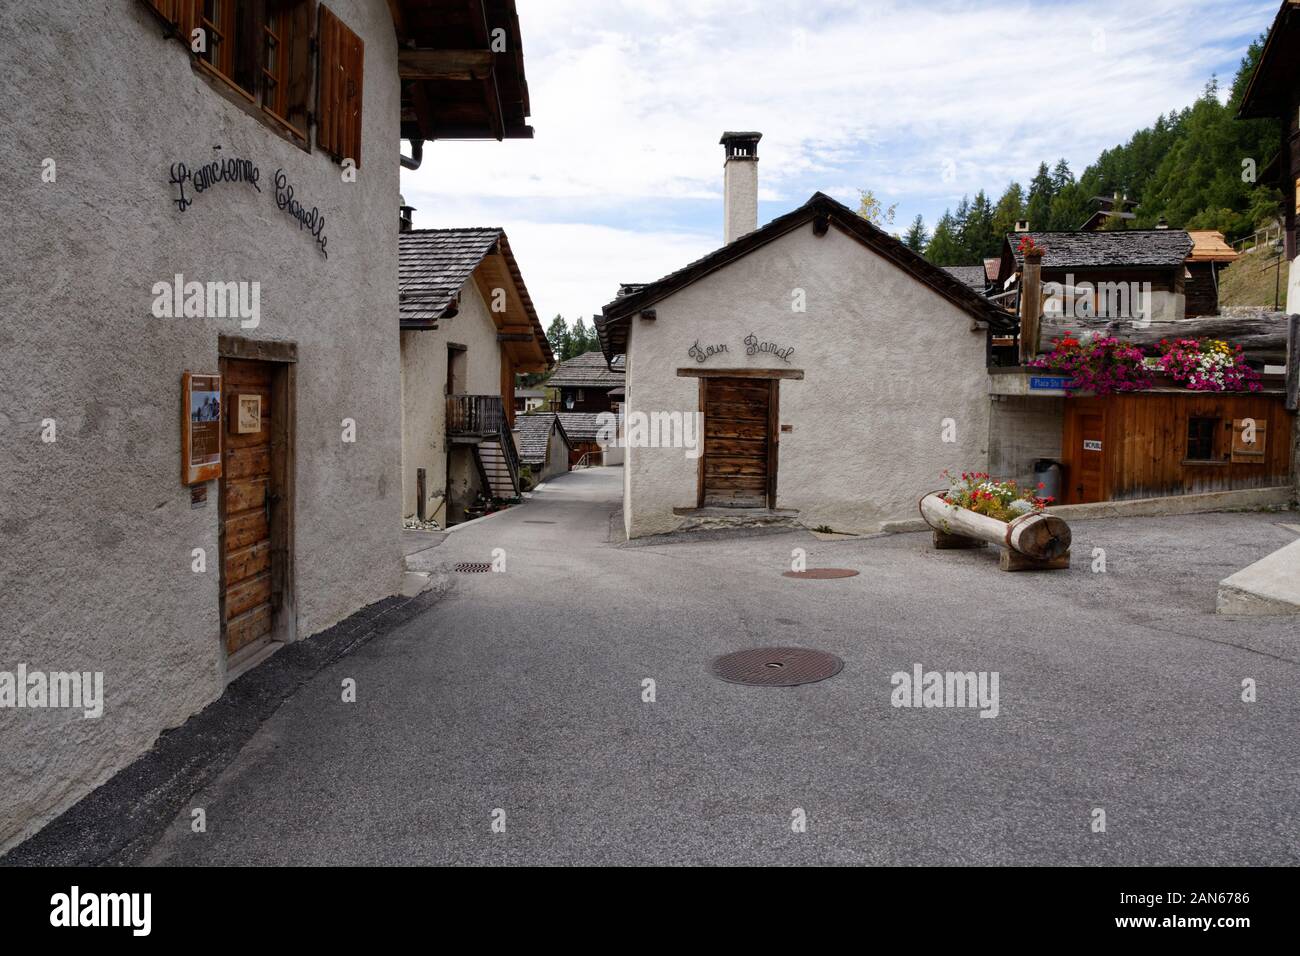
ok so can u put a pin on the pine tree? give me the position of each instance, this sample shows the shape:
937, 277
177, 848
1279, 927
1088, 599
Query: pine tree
1039, 207
1009, 210
557, 333
945, 248
916, 236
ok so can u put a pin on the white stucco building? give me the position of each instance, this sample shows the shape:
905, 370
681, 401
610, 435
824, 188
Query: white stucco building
172, 216
837, 373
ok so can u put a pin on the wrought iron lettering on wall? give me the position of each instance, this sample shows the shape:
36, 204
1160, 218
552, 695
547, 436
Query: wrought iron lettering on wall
312, 221
754, 347
235, 170
702, 352
203, 178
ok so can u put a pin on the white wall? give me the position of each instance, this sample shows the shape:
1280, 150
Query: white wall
885, 361
424, 407
95, 568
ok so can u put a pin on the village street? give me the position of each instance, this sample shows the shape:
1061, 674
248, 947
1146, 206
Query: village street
522, 691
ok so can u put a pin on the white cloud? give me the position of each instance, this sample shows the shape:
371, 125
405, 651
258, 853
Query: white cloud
629, 98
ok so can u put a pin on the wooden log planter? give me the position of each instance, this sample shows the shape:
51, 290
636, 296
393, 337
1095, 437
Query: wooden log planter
1036, 541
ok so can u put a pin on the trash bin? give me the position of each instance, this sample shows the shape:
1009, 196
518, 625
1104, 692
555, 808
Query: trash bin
1048, 473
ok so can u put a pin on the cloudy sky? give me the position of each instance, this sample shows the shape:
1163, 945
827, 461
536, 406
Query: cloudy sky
919, 101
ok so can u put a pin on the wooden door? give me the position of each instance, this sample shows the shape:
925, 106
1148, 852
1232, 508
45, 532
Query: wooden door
737, 470
1089, 480
248, 501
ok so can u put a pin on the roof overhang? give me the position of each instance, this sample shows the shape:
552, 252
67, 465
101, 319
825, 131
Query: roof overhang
461, 64
823, 212
1272, 87
519, 330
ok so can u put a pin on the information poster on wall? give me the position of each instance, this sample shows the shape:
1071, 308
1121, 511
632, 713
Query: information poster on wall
201, 428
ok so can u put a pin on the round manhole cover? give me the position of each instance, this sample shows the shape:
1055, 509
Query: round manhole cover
473, 567
822, 574
777, 666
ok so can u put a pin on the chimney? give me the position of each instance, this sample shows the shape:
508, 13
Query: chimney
1022, 225
740, 185
404, 222
1163, 223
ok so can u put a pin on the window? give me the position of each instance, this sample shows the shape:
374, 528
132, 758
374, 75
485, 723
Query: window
259, 49
1200, 438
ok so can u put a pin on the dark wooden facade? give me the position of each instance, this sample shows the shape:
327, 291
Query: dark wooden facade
1202, 289
1154, 444
1274, 93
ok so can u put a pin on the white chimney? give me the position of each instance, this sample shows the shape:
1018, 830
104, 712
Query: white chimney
740, 185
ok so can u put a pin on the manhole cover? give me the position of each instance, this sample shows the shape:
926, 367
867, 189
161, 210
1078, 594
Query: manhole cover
822, 574
473, 567
777, 666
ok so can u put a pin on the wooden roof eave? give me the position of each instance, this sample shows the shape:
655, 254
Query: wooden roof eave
1271, 86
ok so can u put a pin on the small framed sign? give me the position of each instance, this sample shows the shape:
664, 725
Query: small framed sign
1091, 445
248, 414
200, 428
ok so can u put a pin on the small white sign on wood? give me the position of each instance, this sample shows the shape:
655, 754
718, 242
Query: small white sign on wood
1089, 445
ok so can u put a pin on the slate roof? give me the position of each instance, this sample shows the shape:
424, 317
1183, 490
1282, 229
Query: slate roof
432, 267
533, 434
973, 276
822, 211
1128, 248
589, 370
580, 426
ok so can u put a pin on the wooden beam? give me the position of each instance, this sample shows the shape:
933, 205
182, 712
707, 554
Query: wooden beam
1293, 365
514, 336
793, 373
427, 64
1260, 335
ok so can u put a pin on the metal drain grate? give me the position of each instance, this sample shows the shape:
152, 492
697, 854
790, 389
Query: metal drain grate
777, 666
473, 567
822, 574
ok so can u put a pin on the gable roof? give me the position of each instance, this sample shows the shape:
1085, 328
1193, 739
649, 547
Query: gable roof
433, 266
589, 370
1272, 86
534, 433
1210, 246
581, 426
973, 276
822, 211
1127, 248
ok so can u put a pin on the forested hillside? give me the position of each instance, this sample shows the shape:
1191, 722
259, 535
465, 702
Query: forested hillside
1186, 167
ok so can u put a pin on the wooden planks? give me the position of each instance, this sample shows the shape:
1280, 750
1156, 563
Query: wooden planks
248, 609
737, 437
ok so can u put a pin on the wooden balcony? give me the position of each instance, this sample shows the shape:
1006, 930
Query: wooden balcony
475, 416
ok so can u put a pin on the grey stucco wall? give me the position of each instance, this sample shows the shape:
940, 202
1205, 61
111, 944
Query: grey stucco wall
885, 359
1022, 429
97, 527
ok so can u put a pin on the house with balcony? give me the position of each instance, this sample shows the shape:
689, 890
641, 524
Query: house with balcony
468, 327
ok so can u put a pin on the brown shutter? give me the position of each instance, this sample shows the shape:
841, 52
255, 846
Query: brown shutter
342, 58
1249, 453
178, 13
301, 18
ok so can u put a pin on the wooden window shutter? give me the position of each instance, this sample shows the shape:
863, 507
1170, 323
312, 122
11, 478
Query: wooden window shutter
1249, 453
177, 13
301, 16
338, 99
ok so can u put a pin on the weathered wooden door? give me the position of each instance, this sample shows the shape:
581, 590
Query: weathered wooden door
1090, 478
248, 503
738, 469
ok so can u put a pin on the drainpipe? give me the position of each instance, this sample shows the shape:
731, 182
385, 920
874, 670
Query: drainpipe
417, 155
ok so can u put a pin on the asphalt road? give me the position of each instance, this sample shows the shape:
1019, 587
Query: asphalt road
522, 692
